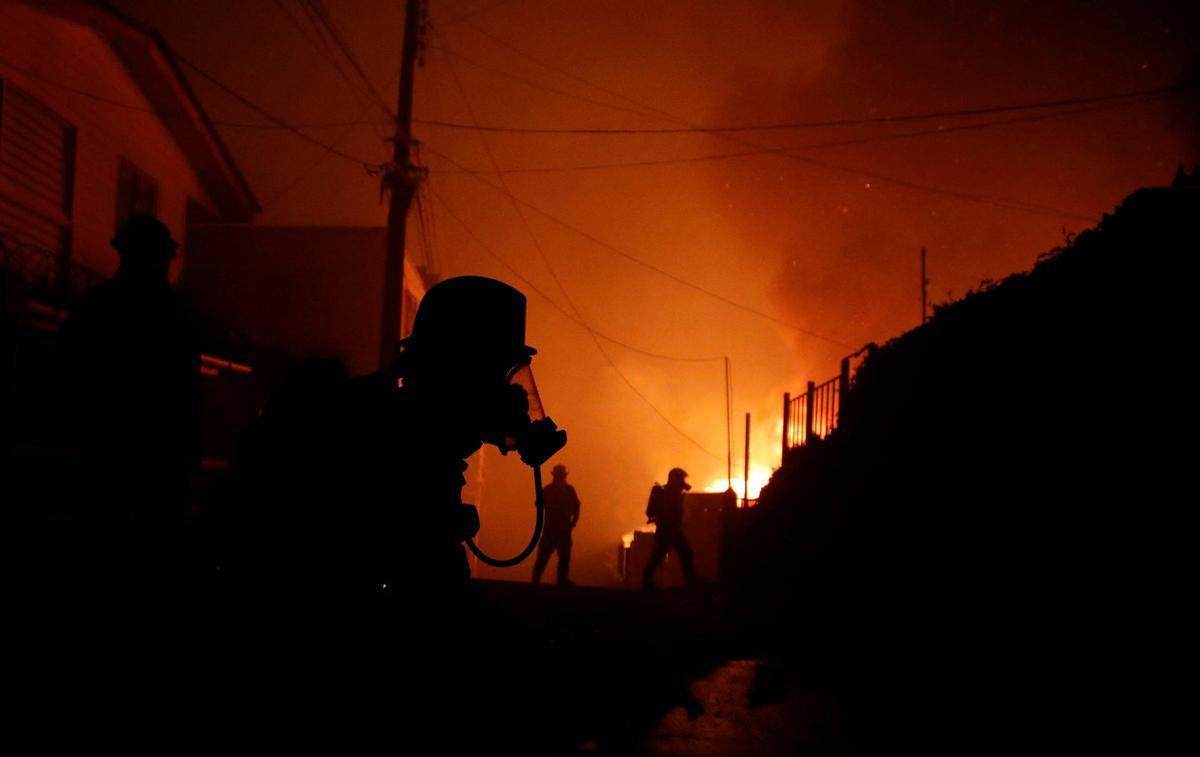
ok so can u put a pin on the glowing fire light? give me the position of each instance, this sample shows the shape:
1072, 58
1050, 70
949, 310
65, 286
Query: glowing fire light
759, 476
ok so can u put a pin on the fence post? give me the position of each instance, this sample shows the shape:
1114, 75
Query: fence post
787, 419
808, 411
746, 467
843, 387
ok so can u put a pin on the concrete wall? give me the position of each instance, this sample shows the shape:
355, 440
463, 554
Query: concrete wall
62, 56
311, 291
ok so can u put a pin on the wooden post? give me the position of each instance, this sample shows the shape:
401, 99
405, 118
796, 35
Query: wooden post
809, 396
787, 420
728, 424
400, 179
924, 290
746, 468
843, 388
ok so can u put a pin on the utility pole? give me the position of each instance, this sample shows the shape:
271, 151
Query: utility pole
924, 289
746, 467
400, 181
728, 426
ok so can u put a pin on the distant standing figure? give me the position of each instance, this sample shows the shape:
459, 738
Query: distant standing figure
562, 513
665, 510
136, 372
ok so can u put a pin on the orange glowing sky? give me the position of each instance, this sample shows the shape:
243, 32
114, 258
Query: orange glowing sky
834, 250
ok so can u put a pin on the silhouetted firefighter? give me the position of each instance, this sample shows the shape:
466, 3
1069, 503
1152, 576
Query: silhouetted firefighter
665, 510
135, 373
562, 513
355, 485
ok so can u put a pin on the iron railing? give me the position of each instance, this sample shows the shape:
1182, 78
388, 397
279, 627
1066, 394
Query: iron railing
43, 274
815, 413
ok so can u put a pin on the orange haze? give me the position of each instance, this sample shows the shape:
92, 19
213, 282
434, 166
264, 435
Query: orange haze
832, 250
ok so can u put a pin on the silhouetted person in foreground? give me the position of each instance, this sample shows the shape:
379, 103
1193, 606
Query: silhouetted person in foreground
135, 378
351, 487
562, 513
665, 510
343, 580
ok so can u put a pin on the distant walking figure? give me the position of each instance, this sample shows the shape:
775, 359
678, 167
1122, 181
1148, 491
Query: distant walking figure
562, 513
665, 510
136, 373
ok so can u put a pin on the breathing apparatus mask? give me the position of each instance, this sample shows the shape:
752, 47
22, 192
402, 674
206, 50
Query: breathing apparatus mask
521, 426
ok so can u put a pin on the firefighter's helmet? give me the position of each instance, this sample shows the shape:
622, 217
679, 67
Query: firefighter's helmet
473, 317
678, 476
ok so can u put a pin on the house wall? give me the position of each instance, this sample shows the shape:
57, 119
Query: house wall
309, 291
75, 57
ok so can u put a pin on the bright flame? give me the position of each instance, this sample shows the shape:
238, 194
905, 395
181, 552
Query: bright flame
627, 540
759, 476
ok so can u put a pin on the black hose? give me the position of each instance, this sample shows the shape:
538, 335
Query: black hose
537, 529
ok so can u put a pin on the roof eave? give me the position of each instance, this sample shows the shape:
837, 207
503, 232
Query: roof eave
157, 73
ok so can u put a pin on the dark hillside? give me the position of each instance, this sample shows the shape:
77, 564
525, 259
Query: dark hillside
993, 544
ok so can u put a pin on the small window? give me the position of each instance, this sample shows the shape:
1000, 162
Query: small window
37, 153
137, 192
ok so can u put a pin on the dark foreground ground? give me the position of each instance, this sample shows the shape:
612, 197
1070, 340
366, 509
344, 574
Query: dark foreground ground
527, 670
668, 673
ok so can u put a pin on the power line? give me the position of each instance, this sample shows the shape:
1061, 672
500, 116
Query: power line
299, 179
184, 116
577, 167
997, 202
425, 225
653, 110
528, 83
1036, 209
911, 185
650, 404
905, 183
838, 122
321, 14
314, 39
321, 50
898, 181
304, 174
550, 300
318, 42
291, 19
507, 191
483, 8
633, 258
555, 69
938, 131
370, 165
562, 288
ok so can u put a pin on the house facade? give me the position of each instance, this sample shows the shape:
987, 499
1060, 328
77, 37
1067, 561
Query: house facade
97, 122
306, 291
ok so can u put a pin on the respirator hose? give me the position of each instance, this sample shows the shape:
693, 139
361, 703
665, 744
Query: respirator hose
537, 530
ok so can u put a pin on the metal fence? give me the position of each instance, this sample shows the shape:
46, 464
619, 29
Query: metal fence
814, 414
43, 274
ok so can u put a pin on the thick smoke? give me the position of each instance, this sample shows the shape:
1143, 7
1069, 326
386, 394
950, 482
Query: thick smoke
832, 251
